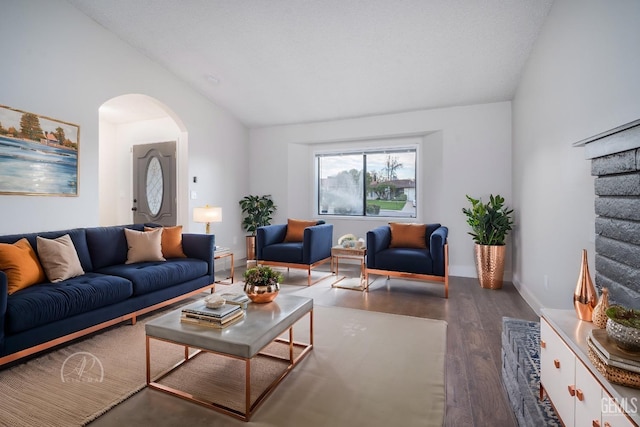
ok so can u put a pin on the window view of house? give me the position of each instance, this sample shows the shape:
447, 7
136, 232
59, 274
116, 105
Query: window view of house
376, 183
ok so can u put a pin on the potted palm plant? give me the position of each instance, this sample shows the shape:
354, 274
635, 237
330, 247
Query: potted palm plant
257, 211
490, 223
262, 283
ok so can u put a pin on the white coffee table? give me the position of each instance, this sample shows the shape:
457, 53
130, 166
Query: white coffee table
262, 324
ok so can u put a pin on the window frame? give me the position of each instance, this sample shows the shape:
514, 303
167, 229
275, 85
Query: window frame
386, 147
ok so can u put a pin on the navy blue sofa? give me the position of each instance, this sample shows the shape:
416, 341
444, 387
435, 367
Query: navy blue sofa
47, 314
430, 264
314, 250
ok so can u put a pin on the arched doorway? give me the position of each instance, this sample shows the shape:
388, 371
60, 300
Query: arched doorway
124, 122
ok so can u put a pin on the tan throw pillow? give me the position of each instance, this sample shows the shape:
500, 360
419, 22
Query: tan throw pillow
407, 235
171, 241
20, 263
59, 258
295, 229
144, 246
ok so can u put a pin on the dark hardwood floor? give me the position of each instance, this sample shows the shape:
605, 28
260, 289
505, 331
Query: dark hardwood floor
475, 395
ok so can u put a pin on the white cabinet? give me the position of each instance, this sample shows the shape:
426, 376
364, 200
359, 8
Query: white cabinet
581, 395
557, 372
588, 397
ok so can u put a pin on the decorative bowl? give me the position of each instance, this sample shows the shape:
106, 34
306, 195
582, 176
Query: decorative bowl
214, 301
261, 294
262, 283
626, 337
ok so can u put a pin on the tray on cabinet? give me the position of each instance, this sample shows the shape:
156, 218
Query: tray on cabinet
612, 373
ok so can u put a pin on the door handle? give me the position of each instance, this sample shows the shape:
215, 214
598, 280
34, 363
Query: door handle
543, 344
572, 390
579, 395
556, 363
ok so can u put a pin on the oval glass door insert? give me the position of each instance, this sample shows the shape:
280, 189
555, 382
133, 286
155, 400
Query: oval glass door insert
155, 186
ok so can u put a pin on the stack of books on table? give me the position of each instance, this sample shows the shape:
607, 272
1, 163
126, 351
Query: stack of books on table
614, 364
218, 318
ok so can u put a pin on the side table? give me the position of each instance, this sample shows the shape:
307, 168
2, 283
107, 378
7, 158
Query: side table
345, 282
224, 253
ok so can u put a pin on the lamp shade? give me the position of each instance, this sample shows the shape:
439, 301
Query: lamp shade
207, 214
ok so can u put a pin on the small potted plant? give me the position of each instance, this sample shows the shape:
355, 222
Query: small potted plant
490, 223
257, 212
262, 283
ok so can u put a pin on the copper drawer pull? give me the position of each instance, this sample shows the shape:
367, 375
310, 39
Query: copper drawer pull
579, 395
556, 363
596, 423
572, 390
543, 344
606, 424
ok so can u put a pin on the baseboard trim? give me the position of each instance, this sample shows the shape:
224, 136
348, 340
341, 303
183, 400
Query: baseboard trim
529, 298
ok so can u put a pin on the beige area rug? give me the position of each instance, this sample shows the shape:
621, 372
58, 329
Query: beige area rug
77, 383
366, 368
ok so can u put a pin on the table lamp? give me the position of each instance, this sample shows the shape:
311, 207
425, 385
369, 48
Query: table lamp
207, 214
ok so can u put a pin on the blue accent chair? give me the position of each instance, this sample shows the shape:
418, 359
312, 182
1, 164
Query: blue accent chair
314, 250
430, 264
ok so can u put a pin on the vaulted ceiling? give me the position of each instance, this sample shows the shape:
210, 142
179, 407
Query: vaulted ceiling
275, 62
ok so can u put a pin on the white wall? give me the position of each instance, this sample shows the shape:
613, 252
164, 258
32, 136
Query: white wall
581, 79
65, 66
111, 191
469, 148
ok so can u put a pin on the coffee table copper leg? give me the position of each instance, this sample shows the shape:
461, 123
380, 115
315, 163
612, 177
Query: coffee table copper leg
311, 328
291, 344
247, 388
148, 362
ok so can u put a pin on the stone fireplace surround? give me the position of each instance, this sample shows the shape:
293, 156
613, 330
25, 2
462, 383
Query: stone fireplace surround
615, 162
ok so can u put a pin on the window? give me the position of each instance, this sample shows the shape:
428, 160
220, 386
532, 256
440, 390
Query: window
367, 183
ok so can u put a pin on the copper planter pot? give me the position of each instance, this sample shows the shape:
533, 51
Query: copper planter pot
262, 293
490, 265
251, 247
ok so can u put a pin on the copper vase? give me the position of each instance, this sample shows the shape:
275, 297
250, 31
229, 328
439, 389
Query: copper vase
490, 265
585, 296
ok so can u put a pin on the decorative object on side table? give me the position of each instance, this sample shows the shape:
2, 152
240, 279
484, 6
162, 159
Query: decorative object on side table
490, 223
585, 296
256, 211
623, 328
262, 283
599, 315
348, 241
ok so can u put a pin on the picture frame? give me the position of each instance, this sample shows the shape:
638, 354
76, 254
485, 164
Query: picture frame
38, 154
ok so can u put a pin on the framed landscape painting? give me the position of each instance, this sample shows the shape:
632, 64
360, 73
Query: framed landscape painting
38, 155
